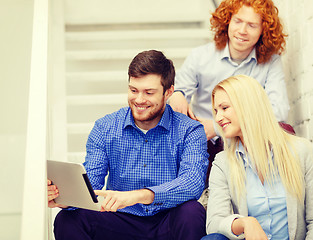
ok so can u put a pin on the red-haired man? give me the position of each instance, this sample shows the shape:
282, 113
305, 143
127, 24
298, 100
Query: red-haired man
248, 39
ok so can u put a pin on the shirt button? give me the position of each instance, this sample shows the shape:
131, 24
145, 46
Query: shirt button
145, 165
146, 140
147, 210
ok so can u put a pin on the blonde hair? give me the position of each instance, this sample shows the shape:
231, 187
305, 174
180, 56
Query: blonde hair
262, 137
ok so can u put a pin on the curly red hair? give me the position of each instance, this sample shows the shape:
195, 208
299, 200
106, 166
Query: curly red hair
272, 40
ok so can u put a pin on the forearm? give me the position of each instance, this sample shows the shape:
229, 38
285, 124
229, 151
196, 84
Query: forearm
144, 196
276, 90
96, 161
186, 76
209, 128
237, 226
179, 190
249, 226
114, 200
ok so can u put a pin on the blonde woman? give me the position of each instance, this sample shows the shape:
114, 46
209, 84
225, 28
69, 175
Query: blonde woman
261, 185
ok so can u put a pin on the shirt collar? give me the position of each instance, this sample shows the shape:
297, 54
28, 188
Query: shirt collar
164, 121
241, 151
225, 54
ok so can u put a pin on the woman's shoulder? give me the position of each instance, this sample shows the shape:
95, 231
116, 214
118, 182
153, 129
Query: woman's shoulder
220, 160
302, 145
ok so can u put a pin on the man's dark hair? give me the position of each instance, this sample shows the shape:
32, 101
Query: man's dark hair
153, 62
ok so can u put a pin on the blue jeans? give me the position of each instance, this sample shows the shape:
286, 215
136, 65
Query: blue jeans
214, 236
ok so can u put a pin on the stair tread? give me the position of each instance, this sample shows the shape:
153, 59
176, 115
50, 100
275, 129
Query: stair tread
97, 76
121, 54
79, 128
138, 34
78, 157
118, 99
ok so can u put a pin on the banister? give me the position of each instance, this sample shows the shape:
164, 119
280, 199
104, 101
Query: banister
34, 196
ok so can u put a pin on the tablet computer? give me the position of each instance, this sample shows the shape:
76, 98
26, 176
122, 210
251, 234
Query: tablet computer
73, 183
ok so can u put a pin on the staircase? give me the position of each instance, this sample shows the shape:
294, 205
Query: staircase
97, 59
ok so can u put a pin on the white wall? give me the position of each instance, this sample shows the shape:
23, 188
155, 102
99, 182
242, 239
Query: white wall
298, 63
15, 25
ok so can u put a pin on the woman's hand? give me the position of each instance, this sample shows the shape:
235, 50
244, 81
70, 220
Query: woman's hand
250, 227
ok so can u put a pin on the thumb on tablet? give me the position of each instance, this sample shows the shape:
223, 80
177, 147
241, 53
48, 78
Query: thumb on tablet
100, 193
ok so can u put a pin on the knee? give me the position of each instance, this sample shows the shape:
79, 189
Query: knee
191, 211
192, 207
67, 219
64, 216
71, 225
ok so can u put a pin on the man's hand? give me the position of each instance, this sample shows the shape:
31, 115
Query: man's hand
53, 193
179, 104
114, 200
250, 227
208, 127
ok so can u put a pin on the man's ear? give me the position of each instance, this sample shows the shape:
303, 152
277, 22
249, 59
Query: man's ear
169, 92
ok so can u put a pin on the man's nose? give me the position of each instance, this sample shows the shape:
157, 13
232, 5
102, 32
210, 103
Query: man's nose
243, 28
140, 98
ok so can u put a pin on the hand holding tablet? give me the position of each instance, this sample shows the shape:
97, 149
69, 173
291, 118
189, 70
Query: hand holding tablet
71, 185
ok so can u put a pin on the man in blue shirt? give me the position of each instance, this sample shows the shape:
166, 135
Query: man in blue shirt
156, 159
248, 39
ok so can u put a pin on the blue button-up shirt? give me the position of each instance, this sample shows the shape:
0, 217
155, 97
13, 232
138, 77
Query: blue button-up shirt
266, 202
171, 159
206, 66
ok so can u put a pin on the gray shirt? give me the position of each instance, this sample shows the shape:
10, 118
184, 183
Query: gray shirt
206, 66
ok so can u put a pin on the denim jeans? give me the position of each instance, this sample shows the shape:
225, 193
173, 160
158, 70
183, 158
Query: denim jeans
214, 236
